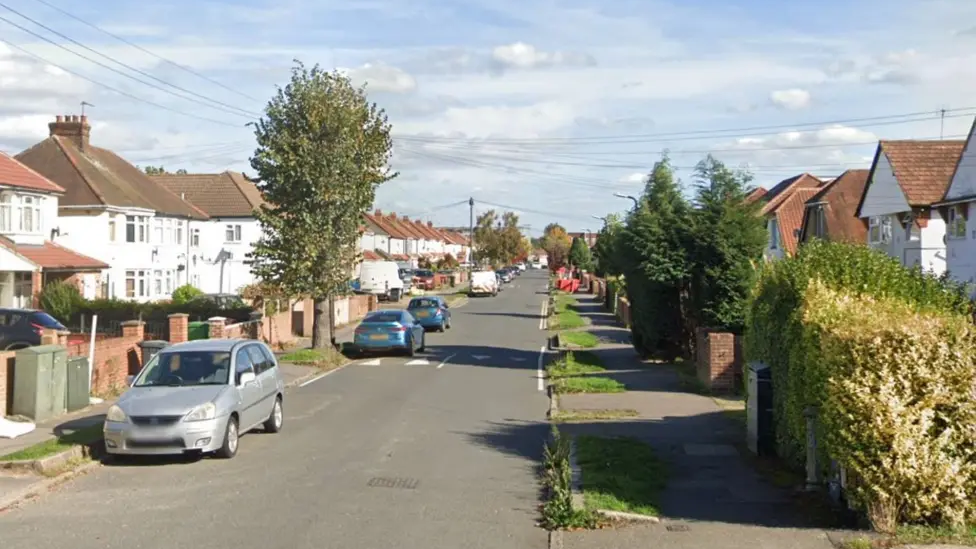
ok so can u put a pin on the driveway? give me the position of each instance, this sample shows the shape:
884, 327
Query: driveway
438, 451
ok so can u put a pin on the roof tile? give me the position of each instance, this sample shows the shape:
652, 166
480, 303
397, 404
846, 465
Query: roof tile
227, 194
789, 217
923, 168
17, 174
51, 256
840, 198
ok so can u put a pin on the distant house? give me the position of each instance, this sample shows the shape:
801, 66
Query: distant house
783, 210
218, 247
829, 214
957, 208
114, 212
29, 258
756, 194
907, 179
588, 237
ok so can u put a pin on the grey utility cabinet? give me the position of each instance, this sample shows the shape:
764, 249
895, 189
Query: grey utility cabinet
759, 410
77, 389
40, 382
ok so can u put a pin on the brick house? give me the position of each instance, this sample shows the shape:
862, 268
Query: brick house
29, 258
783, 210
114, 212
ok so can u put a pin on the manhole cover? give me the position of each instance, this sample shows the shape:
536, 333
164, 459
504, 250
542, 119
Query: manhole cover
400, 483
678, 528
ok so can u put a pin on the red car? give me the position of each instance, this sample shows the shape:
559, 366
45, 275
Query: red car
424, 279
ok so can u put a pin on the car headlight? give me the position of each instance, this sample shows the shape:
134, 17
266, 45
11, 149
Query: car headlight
116, 415
202, 412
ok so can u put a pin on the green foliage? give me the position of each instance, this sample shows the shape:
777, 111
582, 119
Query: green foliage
497, 240
557, 479
322, 151
60, 300
620, 474
607, 249
447, 262
894, 388
556, 243
579, 255
159, 170
185, 294
775, 333
117, 310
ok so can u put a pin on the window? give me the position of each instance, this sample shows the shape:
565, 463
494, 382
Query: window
912, 230
179, 232
136, 228
879, 230
6, 213
195, 281
233, 233
258, 359
819, 222
169, 232
773, 234
158, 230
111, 228
137, 283
157, 282
20, 214
957, 222
169, 281
242, 363
23, 290
195, 238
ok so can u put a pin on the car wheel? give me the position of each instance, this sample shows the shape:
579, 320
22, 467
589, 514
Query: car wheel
410, 350
276, 419
442, 327
449, 324
423, 343
232, 439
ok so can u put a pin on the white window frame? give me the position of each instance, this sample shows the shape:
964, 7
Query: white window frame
140, 229
112, 228
180, 227
168, 286
6, 213
774, 234
169, 237
21, 213
140, 283
195, 237
232, 233
956, 224
157, 283
158, 230
879, 229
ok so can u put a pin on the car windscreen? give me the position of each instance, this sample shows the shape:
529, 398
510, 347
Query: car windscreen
383, 317
423, 303
186, 369
46, 320
423, 273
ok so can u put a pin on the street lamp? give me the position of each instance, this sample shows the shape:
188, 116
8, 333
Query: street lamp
620, 195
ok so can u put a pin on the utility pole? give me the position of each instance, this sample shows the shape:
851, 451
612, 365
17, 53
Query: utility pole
471, 230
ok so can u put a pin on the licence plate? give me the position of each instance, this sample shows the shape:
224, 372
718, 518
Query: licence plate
422, 314
378, 336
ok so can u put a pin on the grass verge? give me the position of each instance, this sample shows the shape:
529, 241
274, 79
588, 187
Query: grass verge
588, 384
620, 474
579, 339
565, 316
575, 364
916, 535
84, 436
324, 359
557, 481
569, 416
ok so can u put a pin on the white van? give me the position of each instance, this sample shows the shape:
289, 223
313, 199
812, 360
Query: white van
484, 283
381, 278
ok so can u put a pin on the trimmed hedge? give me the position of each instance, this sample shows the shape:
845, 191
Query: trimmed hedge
897, 407
774, 319
120, 311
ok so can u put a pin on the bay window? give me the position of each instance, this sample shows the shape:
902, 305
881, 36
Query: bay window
879, 229
20, 213
136, 228
169, 231
195, 238
158, 230
6, 213
179, 231
137, 283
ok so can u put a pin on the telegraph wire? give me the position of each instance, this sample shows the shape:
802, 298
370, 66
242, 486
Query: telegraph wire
146, 51
116, 90
113, 69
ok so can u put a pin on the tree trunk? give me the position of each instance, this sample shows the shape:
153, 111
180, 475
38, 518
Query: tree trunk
332, 337
321, 324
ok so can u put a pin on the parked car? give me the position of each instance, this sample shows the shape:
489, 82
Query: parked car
484, 283
20, 328
382, 279
505, 275
424, 279
432, 312
390, 330
223, 301
521, 267
198, 397
406, 276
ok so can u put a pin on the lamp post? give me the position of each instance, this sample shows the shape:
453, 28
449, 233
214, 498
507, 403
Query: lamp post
620, 195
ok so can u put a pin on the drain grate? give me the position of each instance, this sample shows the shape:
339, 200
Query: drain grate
678, 528
393, 482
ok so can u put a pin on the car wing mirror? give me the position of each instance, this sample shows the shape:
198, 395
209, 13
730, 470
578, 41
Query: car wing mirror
246, 377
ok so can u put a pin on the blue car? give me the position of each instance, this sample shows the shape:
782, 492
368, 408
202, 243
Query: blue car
390, 330
432, 312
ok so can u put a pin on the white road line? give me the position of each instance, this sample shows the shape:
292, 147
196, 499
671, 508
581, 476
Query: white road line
540, 373
418, 362
316, 378
374, 362
542, 315
443, 362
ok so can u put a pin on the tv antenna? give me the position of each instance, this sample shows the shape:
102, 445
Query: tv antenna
83, 105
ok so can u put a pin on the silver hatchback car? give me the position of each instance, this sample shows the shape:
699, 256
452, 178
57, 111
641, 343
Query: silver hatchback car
198, 396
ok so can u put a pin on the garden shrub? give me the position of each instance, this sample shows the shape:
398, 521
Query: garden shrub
119, 311
774, 319
186, 293
60, 300
898, 410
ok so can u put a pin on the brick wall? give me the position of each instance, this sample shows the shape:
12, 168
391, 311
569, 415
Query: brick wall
718, 359
115, 358
6, 380
278, 330
359, 305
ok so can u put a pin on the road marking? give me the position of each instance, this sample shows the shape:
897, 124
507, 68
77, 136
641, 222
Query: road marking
480, 357
418, 362
374, 362
443, 362
543, 316
316, 378
539, 372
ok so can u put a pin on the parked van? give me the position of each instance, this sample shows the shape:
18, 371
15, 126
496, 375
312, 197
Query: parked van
484, 283
382, 279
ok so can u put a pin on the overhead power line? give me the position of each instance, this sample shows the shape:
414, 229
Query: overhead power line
114, 89
218, 105
146, 51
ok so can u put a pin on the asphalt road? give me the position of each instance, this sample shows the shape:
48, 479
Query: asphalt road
440, 453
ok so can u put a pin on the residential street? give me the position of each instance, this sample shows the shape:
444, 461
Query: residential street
439, 451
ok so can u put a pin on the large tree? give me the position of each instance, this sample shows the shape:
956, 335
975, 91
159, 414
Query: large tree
497, 240
556, 243
606, 250
323, 149
579, 255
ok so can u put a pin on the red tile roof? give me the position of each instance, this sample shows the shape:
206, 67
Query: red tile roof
16, 174
923, 168
789, 217
839, 198
227, 194
756, 194
53, 257
371, 256
784, 189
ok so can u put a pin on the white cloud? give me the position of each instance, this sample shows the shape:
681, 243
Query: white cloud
383, 78
520, 55
636, 177
523, 122
793, 99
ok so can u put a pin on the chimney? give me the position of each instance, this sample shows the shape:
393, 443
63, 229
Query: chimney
73, 128
430, 224
392, 215
378, 213
405, 218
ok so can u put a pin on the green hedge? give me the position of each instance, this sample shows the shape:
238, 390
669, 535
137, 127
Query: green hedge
120, 311
774, 330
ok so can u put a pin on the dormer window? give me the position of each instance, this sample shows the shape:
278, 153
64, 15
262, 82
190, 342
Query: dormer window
20, 213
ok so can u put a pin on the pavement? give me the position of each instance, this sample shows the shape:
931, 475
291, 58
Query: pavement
438, 451
713, 496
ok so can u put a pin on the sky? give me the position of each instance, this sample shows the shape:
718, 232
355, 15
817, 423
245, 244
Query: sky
547, 108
